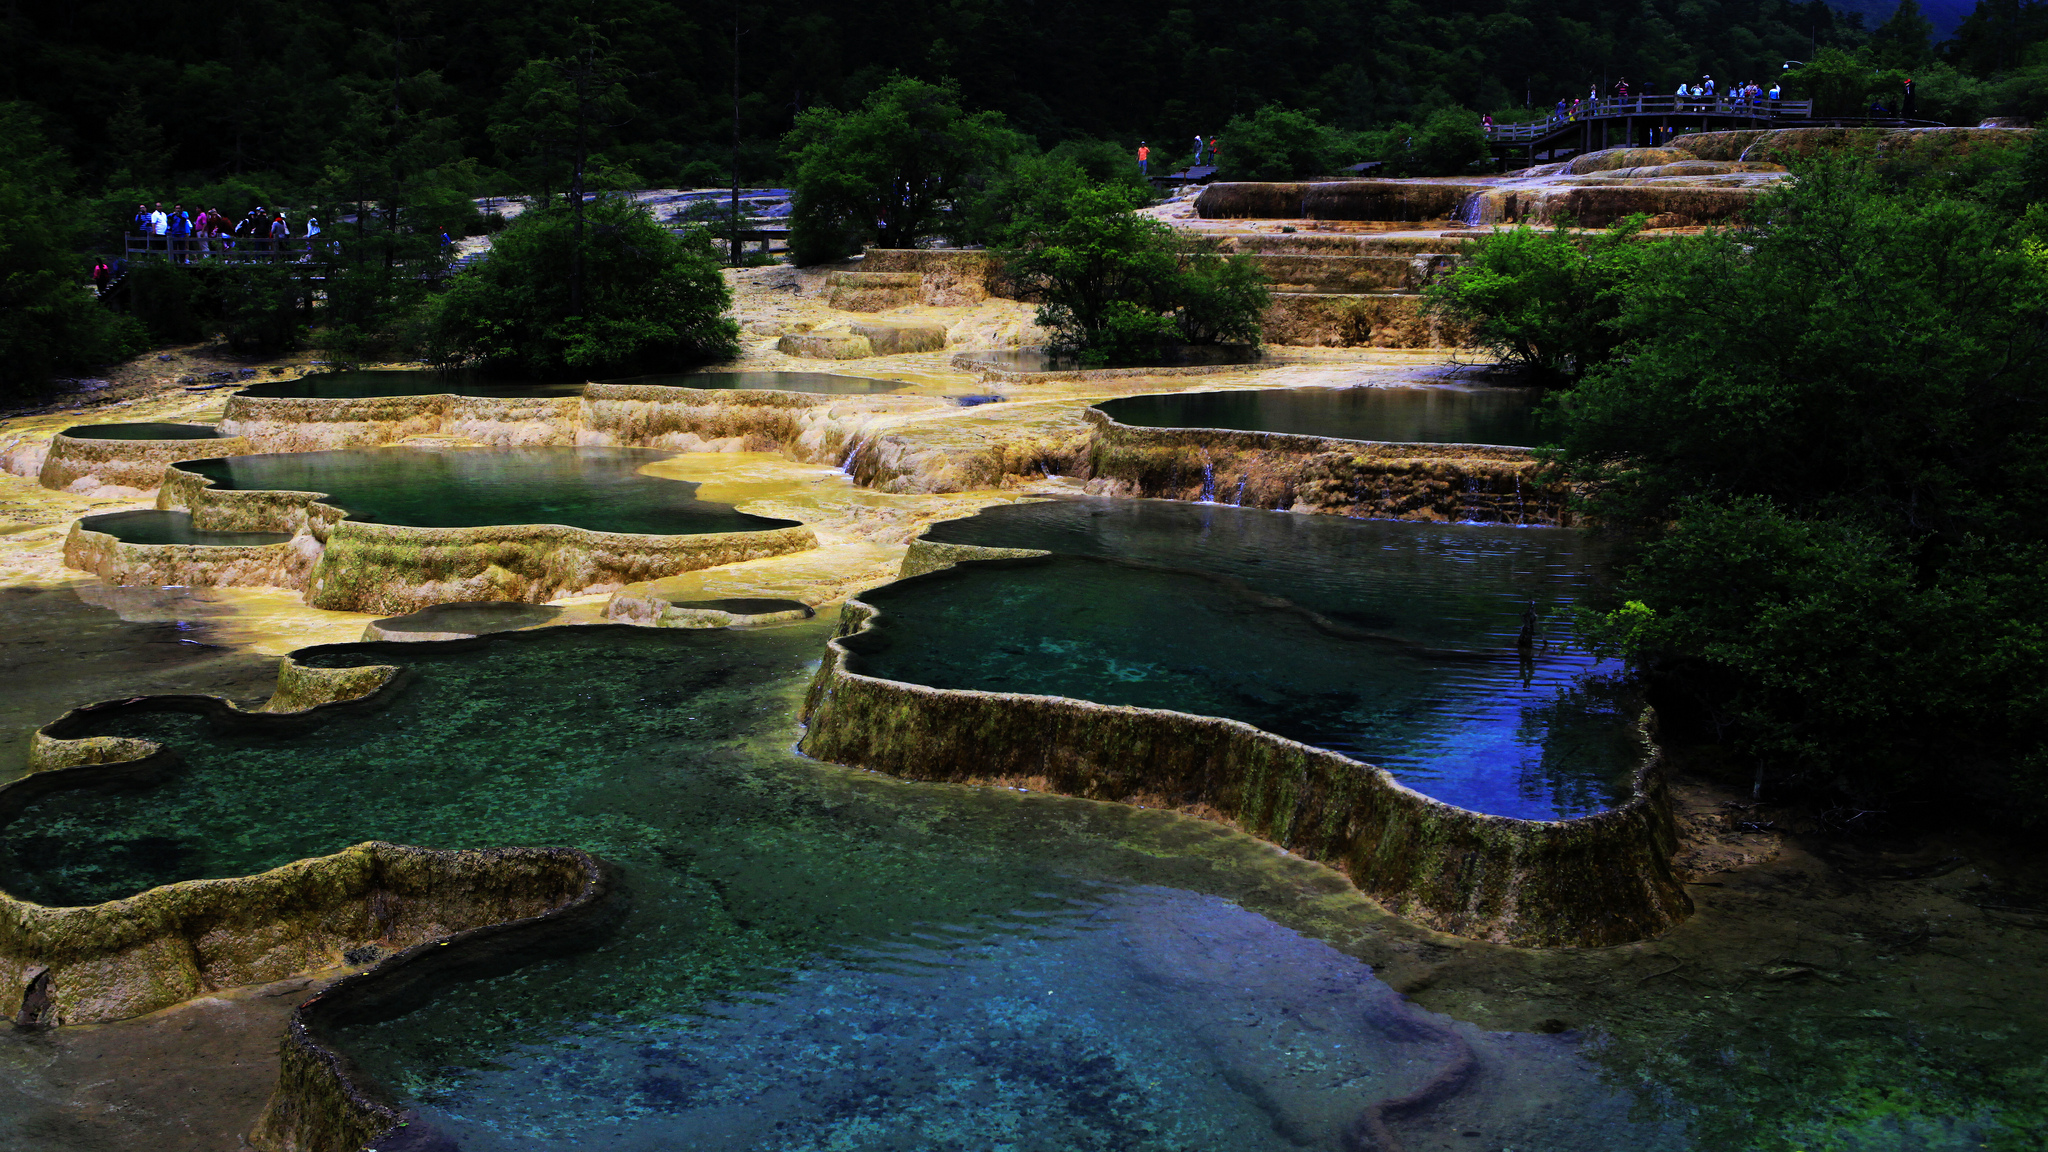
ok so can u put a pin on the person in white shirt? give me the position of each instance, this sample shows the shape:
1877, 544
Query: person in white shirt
159, 224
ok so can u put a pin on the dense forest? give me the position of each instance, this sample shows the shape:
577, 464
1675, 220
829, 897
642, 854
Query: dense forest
293, 96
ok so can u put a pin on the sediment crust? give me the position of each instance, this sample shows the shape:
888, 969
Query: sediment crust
80, 464
1589, 882
1485, 483
350, 565
313, 424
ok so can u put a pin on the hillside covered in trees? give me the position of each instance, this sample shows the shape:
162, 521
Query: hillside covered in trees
301, 95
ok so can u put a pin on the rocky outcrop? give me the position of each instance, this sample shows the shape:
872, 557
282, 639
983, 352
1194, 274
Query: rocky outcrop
867, 291
1594, 881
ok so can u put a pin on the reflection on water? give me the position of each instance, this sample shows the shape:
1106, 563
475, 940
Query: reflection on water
596, 488
364, 385
828, 383
809, 958
1389, 641
151, 526
143, 432
1404, 415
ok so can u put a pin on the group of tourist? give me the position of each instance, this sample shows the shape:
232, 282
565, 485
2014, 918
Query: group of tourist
1691, 97
184, 234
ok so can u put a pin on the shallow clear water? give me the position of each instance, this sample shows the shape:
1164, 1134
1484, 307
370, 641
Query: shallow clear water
596, 488
150, 526
363, 385
143, 432
1388, 641
1403, 415
829, 383
809, 957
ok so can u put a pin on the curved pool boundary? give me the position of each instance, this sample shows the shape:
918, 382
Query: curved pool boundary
1287, 471
90, 466
355, 566
1591, 881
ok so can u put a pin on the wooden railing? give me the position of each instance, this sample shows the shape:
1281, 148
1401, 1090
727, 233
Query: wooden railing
187, 248
1673, 107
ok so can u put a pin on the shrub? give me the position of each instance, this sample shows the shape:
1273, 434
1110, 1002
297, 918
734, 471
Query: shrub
1278, 143
1120, 287
1541, 301
651, 301
887, 172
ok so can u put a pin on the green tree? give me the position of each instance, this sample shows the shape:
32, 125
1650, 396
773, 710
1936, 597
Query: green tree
1120, 287
49, 321
1543, 302
652, 301
1828, 432
1904, 41
1450, 142
1278, 143
887, 172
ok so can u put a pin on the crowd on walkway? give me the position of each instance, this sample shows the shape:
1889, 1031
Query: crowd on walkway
1210, 147
182, 234
1702, 96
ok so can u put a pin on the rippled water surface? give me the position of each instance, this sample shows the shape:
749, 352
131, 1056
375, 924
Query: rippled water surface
597, 488
1388, 641
1408, 415
809, 957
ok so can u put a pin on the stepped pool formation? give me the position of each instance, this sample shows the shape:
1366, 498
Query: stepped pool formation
127, 459
1392, 643
601, 489
1503, 416
797, 957
400, 529
1404, 702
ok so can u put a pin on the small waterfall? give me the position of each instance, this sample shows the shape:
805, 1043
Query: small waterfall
1471, 211
1521, 508
1240, 491
1472, 500
1208, 480
852, 450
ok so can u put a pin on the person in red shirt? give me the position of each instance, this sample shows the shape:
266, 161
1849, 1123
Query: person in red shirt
1144, 159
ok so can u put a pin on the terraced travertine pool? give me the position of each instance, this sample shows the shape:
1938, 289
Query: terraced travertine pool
1393, 643
602, 489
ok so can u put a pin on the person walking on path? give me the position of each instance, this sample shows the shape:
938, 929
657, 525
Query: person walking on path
1216, 151
1144, 159
279, 230
1198, 151
100, 273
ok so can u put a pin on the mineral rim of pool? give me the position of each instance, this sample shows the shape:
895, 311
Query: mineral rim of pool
601, 489
1432, 415
365, 385
824, 383
1041, 360
1392, 642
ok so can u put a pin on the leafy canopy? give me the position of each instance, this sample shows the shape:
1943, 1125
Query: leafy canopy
1829, 433
1119, 287
652, 301
887, 172
1543, 301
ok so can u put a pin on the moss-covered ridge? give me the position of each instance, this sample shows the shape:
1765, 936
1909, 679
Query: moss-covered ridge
348, 565
1588, 882
1488, 483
